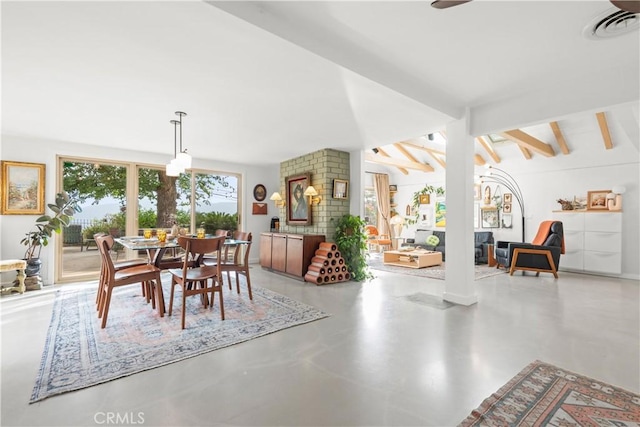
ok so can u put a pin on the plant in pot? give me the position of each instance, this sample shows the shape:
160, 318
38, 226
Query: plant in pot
351, 240
64, 208
415, 200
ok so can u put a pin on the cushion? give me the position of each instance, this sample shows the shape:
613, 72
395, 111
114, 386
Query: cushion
432, 240
421, 236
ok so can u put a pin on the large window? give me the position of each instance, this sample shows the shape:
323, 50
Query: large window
157, 201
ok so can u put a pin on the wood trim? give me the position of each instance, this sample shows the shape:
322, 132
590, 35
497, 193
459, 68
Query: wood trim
555, 127
433, 153
526, 153
529, 142
389, 161
405, 153
517, 251
479, 160
489, 149
604, 130
385, 154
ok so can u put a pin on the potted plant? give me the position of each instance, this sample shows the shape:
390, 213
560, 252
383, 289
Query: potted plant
63, 209
352, 244
415, 200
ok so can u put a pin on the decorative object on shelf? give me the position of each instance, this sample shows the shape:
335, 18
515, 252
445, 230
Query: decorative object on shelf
22, 188
298, 210
259, 209
277, 199
501, 177
614, 199
259, 192
441, 214
340, 189
312, 194
579, 203
566, 204
490, 218
597, 199
182, 161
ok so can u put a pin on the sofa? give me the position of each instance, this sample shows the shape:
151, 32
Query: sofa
481, 239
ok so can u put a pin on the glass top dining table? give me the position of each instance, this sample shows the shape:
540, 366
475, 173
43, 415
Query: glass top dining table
156, 249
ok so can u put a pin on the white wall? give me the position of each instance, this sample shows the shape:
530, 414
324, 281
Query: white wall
13, 227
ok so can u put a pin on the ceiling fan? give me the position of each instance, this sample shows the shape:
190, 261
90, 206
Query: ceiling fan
632, 6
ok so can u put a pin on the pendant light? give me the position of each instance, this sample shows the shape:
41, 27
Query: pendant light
172, 168
182, 157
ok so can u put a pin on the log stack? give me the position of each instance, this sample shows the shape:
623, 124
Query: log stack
327, 266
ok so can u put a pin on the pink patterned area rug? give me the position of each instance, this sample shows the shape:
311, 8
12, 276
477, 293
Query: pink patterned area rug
545, 395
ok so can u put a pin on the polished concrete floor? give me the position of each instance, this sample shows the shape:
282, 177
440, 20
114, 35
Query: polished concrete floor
379, 359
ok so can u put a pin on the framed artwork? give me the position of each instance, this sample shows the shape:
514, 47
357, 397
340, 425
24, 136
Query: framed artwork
425, 199
597, 200
340, 189
506, 208
507, 221
477, 192
259, 192
407, 210
441, 214
476, 215
393, 187
22, 188
507, 198
298, 210
490, 218
487, 195
259, 208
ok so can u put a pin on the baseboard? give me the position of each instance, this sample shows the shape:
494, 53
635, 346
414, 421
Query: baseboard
626, 276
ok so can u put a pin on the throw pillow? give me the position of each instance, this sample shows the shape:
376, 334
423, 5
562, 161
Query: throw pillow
432, 240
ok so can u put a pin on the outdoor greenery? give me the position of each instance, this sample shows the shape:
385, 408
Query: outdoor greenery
352, 244
64, 208
415, 201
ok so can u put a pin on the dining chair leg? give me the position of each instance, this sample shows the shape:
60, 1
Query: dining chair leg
159, 295
221, 300
173, 287
246, 274
228, 279
184, 305
106, 303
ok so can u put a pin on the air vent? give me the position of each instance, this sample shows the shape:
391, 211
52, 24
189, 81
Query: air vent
611, 23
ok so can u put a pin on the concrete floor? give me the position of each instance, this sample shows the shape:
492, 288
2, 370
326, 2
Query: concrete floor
380, 359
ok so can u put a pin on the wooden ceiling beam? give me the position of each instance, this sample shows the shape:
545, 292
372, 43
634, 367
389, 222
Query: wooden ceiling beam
604, 130
385, 154
526, 153
400, 147
489, 149
389, 161
529, 142
479, 160
405, 153
555, 127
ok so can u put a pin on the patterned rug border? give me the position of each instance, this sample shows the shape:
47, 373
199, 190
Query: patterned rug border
40, 391
483, 414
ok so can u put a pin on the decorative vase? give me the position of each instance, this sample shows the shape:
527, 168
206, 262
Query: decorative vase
33, 267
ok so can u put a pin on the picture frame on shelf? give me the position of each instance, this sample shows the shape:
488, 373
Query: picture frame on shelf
298, 209
22, 188
597, 200
340, 189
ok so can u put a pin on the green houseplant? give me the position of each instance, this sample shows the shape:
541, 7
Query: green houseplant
351, 240
63, 210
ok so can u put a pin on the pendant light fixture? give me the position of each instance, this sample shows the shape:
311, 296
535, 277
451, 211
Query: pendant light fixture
183, 158
172, 168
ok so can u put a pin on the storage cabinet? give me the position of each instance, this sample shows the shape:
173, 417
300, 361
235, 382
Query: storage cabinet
288, 254
593, 241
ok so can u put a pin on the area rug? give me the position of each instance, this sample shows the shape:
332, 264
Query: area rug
435, 272
545, 395
79, 354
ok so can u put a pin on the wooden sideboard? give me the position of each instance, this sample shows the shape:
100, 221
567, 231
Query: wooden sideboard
288, 254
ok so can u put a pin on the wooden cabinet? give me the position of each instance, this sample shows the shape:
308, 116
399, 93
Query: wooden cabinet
288, 254
593, 241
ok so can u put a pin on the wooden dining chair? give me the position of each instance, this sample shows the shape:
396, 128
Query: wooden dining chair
146, 274
231, 262
194, 276
121, 265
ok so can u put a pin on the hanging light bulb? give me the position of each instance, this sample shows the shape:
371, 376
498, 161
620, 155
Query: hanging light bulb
183, 157
172, 169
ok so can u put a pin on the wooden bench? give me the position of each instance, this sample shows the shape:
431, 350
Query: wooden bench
15, 264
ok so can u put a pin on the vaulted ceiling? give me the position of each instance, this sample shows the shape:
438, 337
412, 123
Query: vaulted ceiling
267, 81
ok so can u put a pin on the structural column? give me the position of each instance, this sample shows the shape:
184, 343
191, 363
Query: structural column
460, 261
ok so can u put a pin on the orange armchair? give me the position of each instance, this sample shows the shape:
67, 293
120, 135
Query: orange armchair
376, 239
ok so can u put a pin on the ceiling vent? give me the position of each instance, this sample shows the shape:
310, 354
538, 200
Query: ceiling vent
612, 23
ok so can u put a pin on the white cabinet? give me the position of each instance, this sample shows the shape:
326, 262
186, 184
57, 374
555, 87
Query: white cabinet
593, 241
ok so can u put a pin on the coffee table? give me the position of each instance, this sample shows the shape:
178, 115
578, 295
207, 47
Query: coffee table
417, 258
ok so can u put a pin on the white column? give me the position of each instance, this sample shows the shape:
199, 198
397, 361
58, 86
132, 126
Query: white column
460, 254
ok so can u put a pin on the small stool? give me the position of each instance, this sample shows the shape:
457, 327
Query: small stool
15, 264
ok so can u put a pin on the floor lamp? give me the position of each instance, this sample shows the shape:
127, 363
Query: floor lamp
501, 177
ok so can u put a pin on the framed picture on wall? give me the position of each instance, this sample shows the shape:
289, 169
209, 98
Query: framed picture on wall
476, 215
298, 210
441, 214
507, 221
340, 189
22, 188
506, 208
490, 218
477, 192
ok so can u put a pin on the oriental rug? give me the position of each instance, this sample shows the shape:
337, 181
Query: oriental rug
436, 272
545, 395
79, 354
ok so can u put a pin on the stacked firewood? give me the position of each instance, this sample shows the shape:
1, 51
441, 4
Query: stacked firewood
327, 266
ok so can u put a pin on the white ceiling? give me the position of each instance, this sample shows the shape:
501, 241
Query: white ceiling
264, 82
